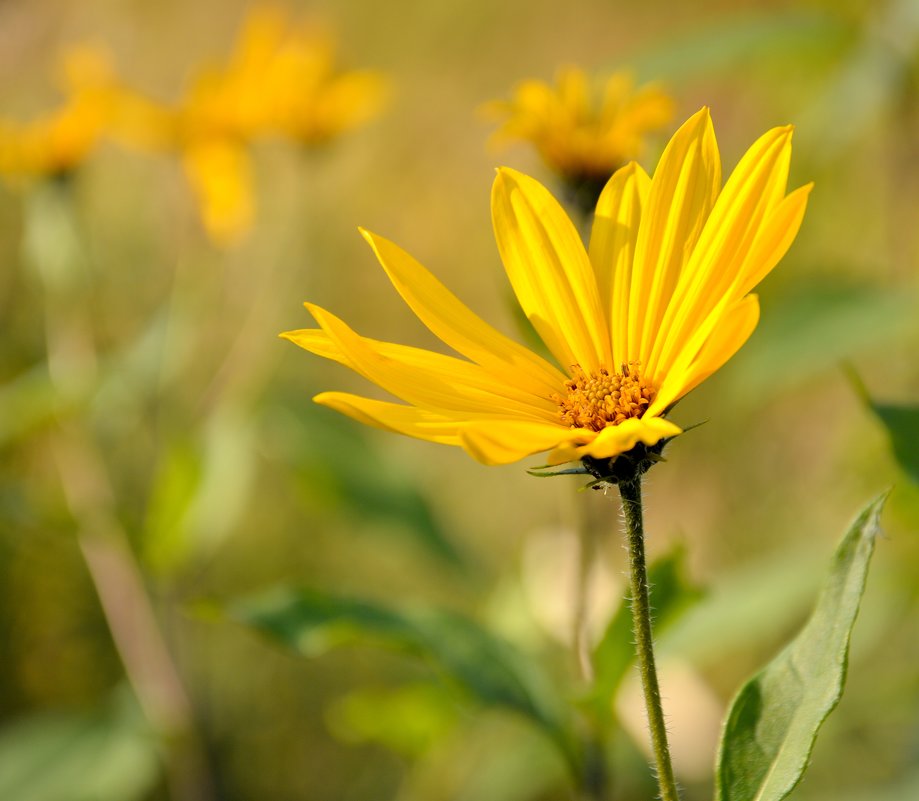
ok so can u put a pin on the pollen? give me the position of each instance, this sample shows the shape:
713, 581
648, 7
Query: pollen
601, 399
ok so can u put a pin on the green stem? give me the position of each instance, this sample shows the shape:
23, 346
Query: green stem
641, 624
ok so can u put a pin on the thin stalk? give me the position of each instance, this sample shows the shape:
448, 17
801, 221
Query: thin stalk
641, 625
587, 553
55, 251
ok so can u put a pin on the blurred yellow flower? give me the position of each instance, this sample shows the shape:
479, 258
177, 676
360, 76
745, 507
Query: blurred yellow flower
58, 142
312, 100
657, 303
279, 80
582, 135
219, 172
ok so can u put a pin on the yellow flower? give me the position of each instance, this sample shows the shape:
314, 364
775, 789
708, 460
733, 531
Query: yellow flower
657, 303
313, 100
58, 142
220, 174
279, 80
579, 138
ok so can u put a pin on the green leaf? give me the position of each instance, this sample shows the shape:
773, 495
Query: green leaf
406, 719
175, 483
773, 721
27, 403
671, 594
813, 329
902, 424
100, 756
487, 668
742, 39
337, 463
873, 81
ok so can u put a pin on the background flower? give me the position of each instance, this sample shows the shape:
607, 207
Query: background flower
584, 128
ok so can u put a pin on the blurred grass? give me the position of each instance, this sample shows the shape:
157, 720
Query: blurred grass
229, 480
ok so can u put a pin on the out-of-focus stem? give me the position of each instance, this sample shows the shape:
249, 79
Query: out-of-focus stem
128, 612
587, 552
53, 247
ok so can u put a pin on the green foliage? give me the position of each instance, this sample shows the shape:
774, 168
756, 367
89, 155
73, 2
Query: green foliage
404, 719
27, 402
671, 594
814, 329
901, 423
773, 722
743, 38
100, 756
321, 447
486, 668
175, 484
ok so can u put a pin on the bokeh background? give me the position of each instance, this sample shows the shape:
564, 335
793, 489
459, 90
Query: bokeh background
190, 441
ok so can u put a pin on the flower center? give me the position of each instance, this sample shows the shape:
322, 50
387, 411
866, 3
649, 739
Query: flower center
601, 399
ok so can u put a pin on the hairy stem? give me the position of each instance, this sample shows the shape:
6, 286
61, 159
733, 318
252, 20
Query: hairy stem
641, 624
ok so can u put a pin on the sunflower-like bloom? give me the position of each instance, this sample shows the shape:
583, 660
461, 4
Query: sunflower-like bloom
313, 101
657, 303
583, 136
279, 80
58, 142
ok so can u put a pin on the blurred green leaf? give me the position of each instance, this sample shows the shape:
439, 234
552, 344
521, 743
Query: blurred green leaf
813, 329
901, 423
875, 77
773, 721
899, 788
227, 475
490, 670
407, 719
672, 593
175, 484
337, 462
744, 38
103, 756
27, 402
741, 609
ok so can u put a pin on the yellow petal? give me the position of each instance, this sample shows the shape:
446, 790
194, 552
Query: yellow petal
220, 175
423, 383
683, 190
408, 420
724, 342
612, 248
506, 441
469, 382
550, 271
773, 241
450, 320
615, 440
720, 336
753, 190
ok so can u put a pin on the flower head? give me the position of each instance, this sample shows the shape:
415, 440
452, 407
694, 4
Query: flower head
279, 80
582, 135
657, 303
59, 141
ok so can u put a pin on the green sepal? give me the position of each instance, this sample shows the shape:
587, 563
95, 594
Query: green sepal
570, 471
